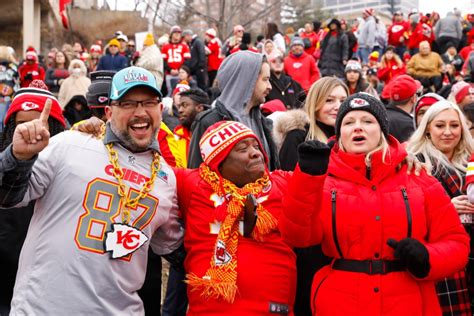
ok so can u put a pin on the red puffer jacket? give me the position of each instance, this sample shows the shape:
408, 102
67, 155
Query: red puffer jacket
266, 271
390, 71
353, 219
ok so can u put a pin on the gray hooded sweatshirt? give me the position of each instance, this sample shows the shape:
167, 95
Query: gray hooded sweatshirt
236, 79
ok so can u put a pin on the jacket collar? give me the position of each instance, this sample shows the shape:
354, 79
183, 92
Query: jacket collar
352, 167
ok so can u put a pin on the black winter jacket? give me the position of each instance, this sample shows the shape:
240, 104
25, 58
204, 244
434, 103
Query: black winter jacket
287, 91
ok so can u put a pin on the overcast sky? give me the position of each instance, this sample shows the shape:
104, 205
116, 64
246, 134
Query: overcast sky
440, 6
444, 6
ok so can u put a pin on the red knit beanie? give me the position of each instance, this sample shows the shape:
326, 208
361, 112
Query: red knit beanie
460, 90
33, 99
219, 139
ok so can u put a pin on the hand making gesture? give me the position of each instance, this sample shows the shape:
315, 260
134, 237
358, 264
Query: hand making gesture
32, 137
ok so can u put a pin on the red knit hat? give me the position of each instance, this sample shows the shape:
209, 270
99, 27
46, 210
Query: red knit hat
33, 99
219, 139
31, 56
403, 87
369, 11
427, 100
460, 90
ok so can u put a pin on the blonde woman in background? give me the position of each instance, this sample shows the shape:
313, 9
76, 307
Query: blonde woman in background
315, 121
444, 143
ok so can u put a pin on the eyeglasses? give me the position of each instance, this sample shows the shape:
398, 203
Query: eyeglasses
131, 104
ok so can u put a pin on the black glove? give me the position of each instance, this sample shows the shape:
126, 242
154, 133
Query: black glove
313, 157
413, 255
29, 76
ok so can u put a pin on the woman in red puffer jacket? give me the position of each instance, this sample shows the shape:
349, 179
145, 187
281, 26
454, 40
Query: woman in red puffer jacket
390, 232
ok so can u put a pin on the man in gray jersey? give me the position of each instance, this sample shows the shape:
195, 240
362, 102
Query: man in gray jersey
101, 202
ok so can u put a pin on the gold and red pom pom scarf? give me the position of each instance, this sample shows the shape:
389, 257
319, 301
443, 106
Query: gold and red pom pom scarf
220, 279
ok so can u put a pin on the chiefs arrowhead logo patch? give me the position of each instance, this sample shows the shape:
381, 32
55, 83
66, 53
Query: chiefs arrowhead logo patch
123, 240
358, 103
28, 106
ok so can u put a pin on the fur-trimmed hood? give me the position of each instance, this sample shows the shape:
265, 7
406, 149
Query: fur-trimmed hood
288, 121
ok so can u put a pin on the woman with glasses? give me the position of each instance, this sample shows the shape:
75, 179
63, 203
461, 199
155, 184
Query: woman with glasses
444, 143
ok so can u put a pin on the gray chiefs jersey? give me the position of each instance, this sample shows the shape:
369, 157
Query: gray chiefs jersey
63, 267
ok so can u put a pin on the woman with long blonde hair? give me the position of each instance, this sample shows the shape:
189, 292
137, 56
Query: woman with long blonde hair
315, 121
444, 143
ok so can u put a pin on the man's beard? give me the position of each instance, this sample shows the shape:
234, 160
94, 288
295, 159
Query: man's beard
128, 142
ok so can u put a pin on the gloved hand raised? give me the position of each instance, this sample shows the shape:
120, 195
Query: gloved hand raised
313, 157
413, 255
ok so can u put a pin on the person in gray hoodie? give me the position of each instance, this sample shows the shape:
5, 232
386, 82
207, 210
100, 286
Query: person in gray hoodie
366, 36
448, 30
244, 81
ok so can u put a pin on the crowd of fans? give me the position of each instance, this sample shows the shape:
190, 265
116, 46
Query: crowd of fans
409, 65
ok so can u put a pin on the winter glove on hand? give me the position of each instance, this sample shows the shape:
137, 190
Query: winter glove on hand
313, 157
413, 255
29, 76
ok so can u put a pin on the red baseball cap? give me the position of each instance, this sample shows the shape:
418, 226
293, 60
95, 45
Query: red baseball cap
403, 87
273, 106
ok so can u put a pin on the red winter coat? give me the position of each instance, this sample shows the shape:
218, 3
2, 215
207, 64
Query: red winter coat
28, 73
313, 39
214, 59
422, 32
390, 71
366, 213
266, 270
396, 32
302, 69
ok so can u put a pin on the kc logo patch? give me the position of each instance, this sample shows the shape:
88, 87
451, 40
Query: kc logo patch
28, 106
358, 103
221, 255
123, 240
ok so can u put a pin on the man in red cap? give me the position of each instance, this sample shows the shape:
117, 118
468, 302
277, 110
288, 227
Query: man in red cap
237, 262
403, 97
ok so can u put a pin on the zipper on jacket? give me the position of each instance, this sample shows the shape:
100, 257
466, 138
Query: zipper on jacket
408, 211
368, 170
334, 226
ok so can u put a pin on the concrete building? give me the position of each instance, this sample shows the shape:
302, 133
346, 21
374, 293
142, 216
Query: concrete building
353, 8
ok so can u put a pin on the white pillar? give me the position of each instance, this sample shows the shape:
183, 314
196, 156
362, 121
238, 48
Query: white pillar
31, 24
37, 26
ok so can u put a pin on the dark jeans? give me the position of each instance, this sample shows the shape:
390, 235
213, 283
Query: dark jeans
150, 293
212, 75
427, 82
443, 42
400, 50
202, 79
176, 300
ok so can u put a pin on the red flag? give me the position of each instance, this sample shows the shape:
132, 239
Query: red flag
63, 13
